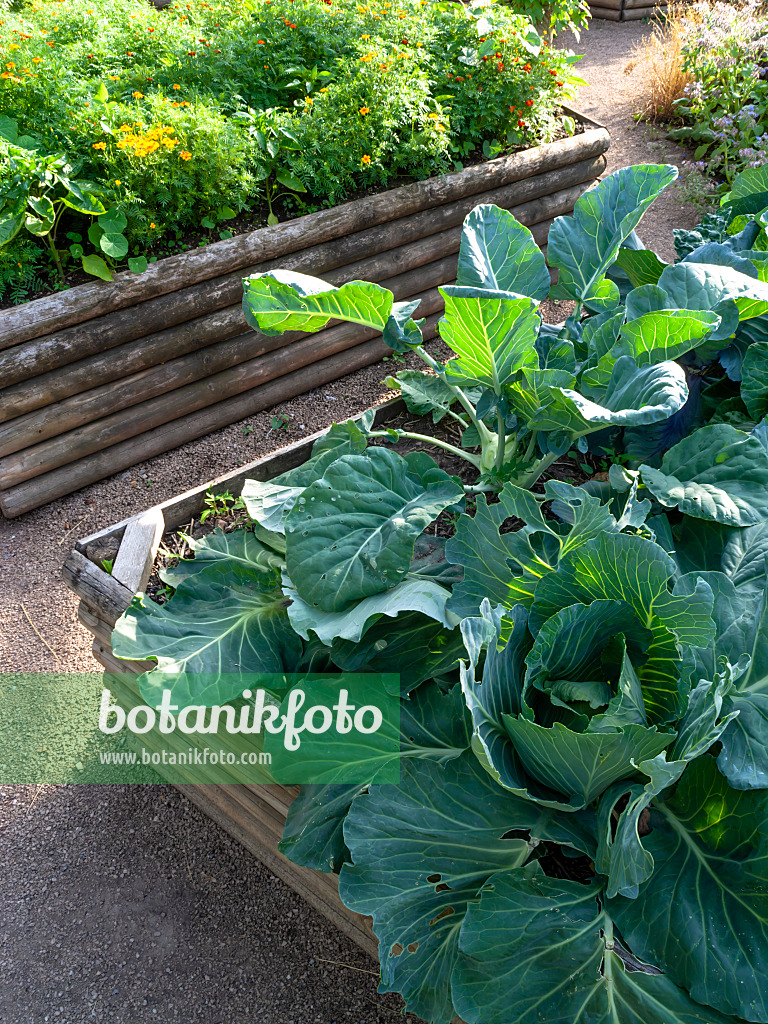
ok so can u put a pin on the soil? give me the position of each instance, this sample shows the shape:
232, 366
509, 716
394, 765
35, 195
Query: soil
126, 904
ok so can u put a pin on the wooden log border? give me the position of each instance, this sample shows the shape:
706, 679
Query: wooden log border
252, 814
626, 10
103, 376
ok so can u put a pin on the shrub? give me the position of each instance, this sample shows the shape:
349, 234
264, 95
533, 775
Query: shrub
578, 832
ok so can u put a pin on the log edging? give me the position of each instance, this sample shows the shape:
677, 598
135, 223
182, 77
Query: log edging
95, 397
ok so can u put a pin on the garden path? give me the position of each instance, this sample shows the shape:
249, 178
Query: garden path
125, 903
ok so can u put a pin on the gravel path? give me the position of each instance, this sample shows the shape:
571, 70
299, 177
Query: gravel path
124, 903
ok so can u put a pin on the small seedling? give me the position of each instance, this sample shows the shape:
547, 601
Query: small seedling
221, 505
106, 564
279, 422
247, 429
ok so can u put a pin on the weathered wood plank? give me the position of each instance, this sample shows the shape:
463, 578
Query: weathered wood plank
136, 555
100, 590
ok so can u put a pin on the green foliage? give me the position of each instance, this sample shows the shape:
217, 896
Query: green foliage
186, 116
579, 829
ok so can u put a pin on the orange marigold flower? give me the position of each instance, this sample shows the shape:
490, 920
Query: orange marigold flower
37, 60
185, 154
176, 86
138, 95
366, 158
152, 224
529, 103
364, 111
99, 145
526, 67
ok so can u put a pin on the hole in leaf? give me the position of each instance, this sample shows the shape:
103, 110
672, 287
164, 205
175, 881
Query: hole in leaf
433, 878
442, 887
396, 950
412, 947
443, 913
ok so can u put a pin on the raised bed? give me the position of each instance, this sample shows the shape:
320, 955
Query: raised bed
252, 814
627, 10
103, 376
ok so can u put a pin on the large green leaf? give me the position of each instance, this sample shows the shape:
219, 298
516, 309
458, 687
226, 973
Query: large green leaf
582, 765
754, 379
493, 336
706, 286
225, 550
496, 692
749, 192
717, 473
620, 567
703, 914
215, 629
351, 533
535, 949
633, 396
743, 557
313, 835
281, 301
424, 595
640, 265
499, 254
654, 337
421, 852
506, 567
584, 246
413, 646
423, 393
743, 757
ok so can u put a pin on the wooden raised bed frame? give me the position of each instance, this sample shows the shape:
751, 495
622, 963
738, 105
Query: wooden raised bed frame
626, 10
100, 377
252, 814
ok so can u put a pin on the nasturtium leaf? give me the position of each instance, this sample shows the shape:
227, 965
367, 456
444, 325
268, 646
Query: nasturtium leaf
423, 393
96, 267
621, 567
225, 551
584, 246
351, 533
703, 914
717, 473
492, 334
535, 948
754, 379
113, 221
213, 630
280, 301
498, 253
114, 244
137, 264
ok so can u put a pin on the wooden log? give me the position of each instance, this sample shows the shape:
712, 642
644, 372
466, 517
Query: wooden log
31, 320
136, 419
605, 13
637, 13
36, 492
66, 346
633, 4
179, 510
158, 349
58, 417
611, 5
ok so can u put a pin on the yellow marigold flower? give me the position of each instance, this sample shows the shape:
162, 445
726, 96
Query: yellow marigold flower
364, 111
365, 37
124, 128
37, 60
309, 101
152, 224
99, 145
435, 117
366, 158
138, 95
14, 46
10, 65
175, 86
185, 154
118, 182
175, 104
367, 57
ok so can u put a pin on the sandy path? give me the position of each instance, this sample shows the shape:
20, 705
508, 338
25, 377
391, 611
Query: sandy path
125, 903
